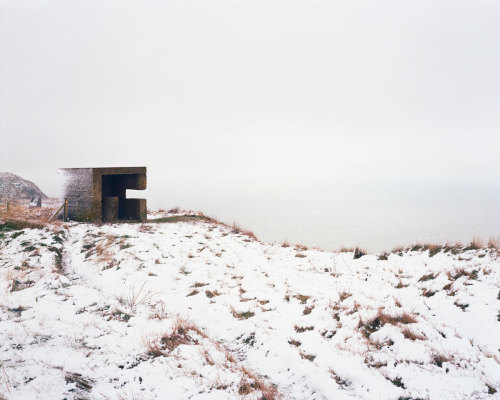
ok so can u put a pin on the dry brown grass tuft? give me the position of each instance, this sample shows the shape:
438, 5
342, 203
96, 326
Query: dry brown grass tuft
301, 329
409, 333
459, 272
211, 294
428, 277
341, 382
434, 249
181, 333
382, 318
240, 231
440, 358
138, 297
146, 228
398, 250
103, 251
308, 310
475, 244
308, 357
494, 243
344, 295
401, 285
302, 298
208, 358
250, 382
404, 318
358, 252
159, 311
243, 314
344, 249
36, 217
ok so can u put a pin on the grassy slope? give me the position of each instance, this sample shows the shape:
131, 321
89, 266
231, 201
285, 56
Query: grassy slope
195, 310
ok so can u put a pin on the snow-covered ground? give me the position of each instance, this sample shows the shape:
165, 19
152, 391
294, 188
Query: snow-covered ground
194, 310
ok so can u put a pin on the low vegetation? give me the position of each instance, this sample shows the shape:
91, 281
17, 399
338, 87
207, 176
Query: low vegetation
353, 325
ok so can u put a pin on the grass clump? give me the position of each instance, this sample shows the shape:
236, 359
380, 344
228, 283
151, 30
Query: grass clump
427, 277
82, 383
211, 294
409, 333
344, 249
302, 298
440, 358
308, 357
383, 318
58, 256
344, 295
10, 225
308, 310
398, 382
183, 332
433, 249
358, 252
491, 389
475, 244
301, 329
459, 272
243, 314
250, 382
462, 306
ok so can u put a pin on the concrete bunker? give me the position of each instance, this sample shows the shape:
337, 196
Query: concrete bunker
99, 194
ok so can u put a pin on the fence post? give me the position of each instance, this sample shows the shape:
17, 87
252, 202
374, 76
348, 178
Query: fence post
8, 207
65, 210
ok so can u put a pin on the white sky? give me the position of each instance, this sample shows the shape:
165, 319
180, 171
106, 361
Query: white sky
252, 91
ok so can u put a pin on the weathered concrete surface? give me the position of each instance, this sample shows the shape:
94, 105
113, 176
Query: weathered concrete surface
110, 208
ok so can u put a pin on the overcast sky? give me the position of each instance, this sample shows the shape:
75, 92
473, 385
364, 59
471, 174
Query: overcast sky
252, 91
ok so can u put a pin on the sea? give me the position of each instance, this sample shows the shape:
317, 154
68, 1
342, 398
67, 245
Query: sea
374, 216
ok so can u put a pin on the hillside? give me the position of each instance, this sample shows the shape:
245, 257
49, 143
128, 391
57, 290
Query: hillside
198, 310
16, 188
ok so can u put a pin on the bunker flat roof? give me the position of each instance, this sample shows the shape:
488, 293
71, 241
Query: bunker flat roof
111, 170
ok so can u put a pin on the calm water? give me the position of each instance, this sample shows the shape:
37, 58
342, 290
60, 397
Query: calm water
376, 217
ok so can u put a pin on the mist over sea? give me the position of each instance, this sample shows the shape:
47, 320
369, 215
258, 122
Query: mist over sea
374, 216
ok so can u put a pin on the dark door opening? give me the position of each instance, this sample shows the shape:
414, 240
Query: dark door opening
115, 205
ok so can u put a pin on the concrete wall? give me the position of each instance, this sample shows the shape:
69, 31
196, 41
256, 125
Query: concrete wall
78, 189
122, 178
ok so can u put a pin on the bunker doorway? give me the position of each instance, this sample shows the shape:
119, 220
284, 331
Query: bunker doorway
115, 205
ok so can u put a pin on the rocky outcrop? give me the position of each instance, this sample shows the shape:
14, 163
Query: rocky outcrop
16, 188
